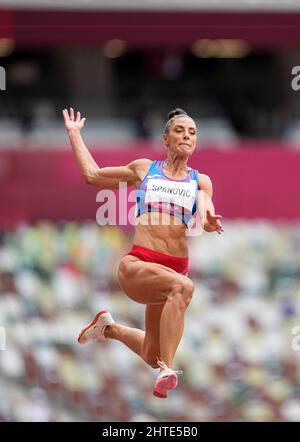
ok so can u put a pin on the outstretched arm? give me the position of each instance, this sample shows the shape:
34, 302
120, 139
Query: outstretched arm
211, 221
105, 177
84, 159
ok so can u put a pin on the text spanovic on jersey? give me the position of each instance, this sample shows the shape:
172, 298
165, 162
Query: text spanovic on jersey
179, 193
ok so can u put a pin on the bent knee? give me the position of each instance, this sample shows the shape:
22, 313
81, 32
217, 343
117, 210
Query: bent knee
182, 291
189, 287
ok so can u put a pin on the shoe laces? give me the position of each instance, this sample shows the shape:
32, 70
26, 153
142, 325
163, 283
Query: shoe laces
168, 369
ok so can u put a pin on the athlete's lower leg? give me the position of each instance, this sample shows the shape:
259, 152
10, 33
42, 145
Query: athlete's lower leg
133, 338
172, 322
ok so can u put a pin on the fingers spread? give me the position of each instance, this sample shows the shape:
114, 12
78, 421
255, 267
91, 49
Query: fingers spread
220, 229
65, 114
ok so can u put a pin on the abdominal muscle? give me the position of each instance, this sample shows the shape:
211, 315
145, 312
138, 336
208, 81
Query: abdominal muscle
161, 232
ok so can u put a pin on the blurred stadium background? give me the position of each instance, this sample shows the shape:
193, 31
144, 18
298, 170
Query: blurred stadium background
228, 63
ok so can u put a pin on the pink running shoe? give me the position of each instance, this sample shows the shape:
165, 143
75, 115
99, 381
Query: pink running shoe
95, 329
166, 380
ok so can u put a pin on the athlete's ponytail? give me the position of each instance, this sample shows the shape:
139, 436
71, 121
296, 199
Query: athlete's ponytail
178, 112
175, 112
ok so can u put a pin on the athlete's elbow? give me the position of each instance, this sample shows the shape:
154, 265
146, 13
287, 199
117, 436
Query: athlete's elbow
90, 177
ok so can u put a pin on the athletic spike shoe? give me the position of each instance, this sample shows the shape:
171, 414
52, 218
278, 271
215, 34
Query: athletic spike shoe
95, 329
166, 380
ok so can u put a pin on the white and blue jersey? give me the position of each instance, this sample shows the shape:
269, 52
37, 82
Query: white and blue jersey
158, 193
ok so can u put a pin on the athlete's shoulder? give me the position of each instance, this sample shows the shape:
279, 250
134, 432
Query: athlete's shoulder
205, 183
140, 168
203, 177
140, 162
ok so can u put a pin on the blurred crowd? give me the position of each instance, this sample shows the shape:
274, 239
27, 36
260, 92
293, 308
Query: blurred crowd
236, 353
126, 92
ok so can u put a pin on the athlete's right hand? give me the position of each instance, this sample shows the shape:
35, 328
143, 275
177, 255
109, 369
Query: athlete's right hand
70, 122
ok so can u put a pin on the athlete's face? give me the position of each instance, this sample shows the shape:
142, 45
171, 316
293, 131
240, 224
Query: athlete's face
181, 137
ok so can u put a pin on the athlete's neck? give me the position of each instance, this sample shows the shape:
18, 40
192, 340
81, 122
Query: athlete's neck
175, 165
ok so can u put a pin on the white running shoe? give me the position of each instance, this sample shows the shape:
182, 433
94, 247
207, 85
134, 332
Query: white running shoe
166, 380
95, 329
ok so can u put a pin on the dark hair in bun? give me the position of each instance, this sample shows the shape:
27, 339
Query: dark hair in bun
173, 114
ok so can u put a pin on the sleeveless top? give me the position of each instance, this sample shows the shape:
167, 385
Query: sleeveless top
158, 193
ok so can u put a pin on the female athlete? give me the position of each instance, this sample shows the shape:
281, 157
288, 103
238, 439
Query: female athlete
155, 271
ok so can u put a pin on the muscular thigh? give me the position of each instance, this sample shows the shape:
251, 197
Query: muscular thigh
146, 282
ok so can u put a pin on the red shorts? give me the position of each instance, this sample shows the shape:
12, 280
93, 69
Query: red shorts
177, 263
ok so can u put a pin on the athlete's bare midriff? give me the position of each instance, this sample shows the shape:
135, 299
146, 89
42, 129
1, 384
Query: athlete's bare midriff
161, 232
